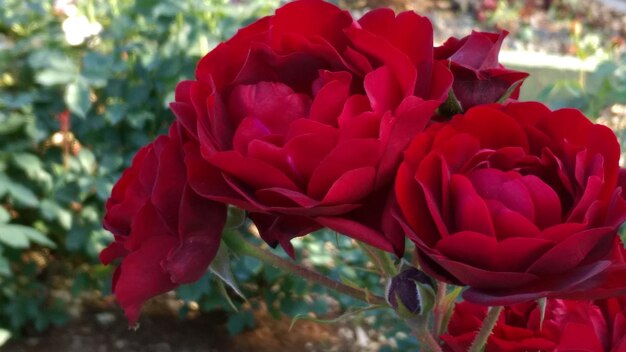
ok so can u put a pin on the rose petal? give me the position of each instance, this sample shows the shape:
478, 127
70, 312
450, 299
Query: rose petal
413, 204
351, 187
383, 90
141, 276
346, 156
470, 211
570, 252
254, 172
329, 101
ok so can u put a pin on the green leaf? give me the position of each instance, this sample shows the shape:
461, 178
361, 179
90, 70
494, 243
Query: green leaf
52, 211
238, 322
427, 297
54, 59
38, 237
450, 302
194, 291
13, 237
115, 113
380, 259
76, 238
52, 77
542, 302
5, 335
4, 216
222, 290
5, 266
87, 160
20, 236
27, 162
510, 91
451, 106
4, 184
220, 266
96, 68
77, 98
23, 195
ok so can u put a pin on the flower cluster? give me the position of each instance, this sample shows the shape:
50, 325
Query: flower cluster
365, 127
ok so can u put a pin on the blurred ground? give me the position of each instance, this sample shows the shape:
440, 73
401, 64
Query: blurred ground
104, 331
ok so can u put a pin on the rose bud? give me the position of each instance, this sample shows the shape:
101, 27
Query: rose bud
410, 293
478, 76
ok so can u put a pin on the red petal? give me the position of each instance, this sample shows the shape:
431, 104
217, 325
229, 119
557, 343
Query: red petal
509, 223
329, 101
351, 187
169, 183
147, 223
412, 201
345, 157
411, 117
207, 180
380, 49
254, 172
358, 231
274, 104
470, 211
222, 64
493, 128
569, 253
383, 89
142, 277
328, 22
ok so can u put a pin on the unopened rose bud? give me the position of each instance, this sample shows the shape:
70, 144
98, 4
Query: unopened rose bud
411, 292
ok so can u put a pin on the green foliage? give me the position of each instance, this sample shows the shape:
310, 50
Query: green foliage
116, 85
593, 91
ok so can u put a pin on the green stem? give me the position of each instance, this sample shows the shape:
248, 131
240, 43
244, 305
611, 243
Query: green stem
488, 324
239, 245
419, 327
441, 308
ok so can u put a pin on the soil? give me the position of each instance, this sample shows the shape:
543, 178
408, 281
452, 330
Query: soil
106, 330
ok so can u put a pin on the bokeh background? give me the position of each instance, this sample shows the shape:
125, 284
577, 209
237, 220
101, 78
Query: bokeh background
85, 83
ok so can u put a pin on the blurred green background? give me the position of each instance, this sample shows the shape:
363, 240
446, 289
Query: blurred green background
112, 65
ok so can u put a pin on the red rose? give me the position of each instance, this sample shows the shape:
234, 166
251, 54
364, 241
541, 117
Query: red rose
614, 310
301, 118
516, 201
478, 76
164, 232
567, 326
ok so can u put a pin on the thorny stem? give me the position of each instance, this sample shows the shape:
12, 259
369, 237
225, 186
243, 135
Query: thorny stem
240, 245
488, 324
441, 308
419, 327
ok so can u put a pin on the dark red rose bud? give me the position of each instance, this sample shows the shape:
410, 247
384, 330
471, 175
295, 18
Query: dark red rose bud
479, 78
411, 292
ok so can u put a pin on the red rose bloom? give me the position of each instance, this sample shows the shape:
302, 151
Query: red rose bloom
516, 201
567, 326
478, 76
301, 118
165, 233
